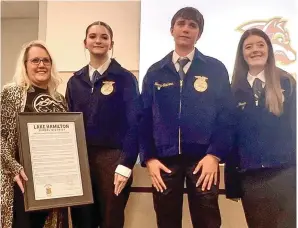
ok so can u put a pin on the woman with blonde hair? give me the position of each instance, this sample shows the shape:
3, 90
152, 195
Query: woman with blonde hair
261, 170
35, 79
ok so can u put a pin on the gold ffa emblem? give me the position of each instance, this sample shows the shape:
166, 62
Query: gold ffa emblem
107, 87
48, 190
200, 83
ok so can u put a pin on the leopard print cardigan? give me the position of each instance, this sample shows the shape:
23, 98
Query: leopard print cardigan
13, 100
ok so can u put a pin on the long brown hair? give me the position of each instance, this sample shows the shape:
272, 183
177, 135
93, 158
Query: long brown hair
273, 92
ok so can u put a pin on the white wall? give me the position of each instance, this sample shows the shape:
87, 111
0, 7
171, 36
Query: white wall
67, 21
220, 36
14, 33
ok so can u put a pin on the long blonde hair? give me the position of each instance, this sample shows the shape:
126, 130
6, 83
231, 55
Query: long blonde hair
21, 78
273, 91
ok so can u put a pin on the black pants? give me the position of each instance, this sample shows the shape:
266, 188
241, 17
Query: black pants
108, 209
203, 205
22, 219
269, 199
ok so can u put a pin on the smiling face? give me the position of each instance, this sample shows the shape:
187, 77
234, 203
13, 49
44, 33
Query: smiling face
98, 40
38, 65
255, 51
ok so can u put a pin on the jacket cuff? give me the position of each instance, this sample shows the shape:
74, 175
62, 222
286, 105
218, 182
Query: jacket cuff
216, 153
144, 157
123, 171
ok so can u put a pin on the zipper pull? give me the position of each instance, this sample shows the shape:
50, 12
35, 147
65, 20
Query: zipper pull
92, 89
181, 85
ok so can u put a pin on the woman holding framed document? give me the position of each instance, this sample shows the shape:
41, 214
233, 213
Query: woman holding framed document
34, 90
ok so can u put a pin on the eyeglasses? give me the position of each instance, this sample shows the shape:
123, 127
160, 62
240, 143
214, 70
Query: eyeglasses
36, 61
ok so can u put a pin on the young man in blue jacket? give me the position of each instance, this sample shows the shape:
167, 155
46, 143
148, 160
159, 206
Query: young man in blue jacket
186, 126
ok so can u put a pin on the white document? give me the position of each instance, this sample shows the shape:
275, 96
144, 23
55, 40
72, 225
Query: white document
55, 160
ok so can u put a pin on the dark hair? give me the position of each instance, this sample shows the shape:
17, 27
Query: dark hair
99, 23
189, 13
273, 91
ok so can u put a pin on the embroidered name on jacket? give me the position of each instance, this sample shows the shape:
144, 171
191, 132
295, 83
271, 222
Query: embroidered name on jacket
241, 105
163, 85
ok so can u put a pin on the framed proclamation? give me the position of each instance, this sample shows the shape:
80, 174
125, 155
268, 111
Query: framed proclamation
53, 151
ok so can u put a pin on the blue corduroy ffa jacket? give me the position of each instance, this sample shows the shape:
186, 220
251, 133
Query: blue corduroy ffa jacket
110, 115
192, 117
262, 139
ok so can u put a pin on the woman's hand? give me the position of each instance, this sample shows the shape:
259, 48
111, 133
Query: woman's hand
20, 178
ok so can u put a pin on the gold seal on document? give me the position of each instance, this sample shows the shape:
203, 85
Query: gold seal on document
107, 88
200, 83
48, 190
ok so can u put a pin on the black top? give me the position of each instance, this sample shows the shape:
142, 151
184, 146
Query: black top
39, 100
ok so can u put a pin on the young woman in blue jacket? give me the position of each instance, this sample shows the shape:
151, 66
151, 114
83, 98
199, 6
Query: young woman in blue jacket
108, 96
261, 169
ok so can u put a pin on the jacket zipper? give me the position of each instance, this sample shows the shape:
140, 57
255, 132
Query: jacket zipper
90, 104
179, 131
